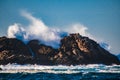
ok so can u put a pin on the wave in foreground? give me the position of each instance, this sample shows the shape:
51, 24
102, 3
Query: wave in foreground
59, 72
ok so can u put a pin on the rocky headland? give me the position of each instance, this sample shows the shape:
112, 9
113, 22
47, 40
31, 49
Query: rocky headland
74, 50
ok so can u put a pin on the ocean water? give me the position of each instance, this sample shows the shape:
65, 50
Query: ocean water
60, 72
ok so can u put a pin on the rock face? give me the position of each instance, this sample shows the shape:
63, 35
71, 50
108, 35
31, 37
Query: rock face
74, 50
42, 53
13, 51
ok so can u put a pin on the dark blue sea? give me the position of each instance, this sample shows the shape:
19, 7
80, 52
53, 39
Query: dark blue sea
60, 72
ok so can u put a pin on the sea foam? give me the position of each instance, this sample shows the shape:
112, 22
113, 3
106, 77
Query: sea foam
60, 69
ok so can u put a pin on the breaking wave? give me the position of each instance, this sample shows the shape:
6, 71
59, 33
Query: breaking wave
60, 72
47, 35
15, 68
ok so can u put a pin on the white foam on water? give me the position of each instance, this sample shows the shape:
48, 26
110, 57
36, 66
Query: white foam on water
59, 69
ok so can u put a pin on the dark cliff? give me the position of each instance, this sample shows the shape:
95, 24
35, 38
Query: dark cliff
13, 51
74, 50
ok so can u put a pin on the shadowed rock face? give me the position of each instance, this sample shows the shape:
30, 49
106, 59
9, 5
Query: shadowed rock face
42, 53
74, 50
13, 51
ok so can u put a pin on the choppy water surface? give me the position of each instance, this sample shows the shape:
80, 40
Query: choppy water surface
60, 72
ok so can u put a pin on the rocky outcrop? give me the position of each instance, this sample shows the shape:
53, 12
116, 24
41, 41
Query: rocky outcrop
13, 51
42, 53
74, 50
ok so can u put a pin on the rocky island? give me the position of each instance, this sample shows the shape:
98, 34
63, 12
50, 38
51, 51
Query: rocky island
74, 50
